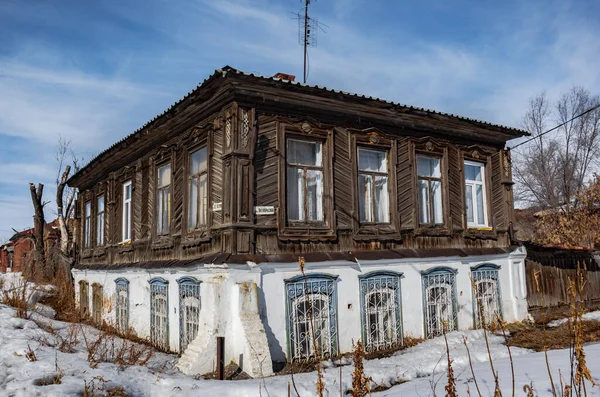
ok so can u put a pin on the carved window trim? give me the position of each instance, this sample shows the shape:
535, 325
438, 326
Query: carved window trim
101, 221
306, 230
428, 147
197, 177
126, 227
373, 139
87, 224
484, 156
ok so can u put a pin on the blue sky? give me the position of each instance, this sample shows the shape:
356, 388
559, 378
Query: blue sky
94, 71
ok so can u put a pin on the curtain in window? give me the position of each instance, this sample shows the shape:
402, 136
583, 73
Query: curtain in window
373, 195
304, 181
430, 190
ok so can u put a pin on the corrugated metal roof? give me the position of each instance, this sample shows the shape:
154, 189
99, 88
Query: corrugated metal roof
228, 69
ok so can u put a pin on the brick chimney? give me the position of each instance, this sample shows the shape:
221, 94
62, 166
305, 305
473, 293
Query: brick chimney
285, 76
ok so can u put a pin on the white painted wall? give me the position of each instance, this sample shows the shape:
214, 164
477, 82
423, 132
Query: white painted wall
221, 305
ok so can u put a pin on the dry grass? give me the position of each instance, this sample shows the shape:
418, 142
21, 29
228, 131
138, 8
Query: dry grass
62, 299
18, 298
361, 384
532, 337
108, 347
98, 387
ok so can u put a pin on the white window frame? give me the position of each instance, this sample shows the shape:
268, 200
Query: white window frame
100, 220
473, 183
431, 199
371, 204
163, 201
126, 226
87, 233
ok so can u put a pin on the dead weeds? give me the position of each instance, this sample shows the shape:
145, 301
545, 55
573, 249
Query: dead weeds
532, 336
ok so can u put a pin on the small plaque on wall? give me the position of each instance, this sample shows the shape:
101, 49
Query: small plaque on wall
217, 206
264, 210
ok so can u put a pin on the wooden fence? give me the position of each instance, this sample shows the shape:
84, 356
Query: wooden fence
554, 267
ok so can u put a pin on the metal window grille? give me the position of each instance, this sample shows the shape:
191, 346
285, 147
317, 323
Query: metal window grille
84, 298
189, 311
487, 303
381, 310
312, 317
97, 297
122, 306
159, 313
440, 306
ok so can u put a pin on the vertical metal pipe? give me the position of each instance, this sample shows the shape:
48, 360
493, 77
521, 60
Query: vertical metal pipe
220, 357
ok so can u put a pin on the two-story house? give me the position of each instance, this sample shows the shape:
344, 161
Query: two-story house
192, 227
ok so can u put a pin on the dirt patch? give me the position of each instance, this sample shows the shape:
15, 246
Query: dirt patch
232, 372
532, 336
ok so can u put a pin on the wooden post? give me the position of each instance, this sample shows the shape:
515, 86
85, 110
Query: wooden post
220, 357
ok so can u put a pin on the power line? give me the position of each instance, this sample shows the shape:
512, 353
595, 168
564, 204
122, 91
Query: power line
558, 126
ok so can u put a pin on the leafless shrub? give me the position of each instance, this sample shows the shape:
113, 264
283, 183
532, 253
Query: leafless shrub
98, 387
361, 384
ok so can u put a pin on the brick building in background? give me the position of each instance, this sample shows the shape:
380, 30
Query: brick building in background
18, 250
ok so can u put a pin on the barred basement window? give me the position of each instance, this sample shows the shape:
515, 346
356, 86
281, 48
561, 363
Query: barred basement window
122, 306
487, 303
159, 313
381, 310
439, 304
97, 297
312, 316
189, 311
84, 298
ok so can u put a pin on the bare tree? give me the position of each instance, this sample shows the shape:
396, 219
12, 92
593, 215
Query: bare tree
65, 195
551, 169
35, 268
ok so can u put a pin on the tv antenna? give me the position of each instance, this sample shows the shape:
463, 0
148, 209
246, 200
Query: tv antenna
308, 28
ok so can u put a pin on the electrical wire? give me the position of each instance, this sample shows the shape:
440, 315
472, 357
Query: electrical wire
557, 127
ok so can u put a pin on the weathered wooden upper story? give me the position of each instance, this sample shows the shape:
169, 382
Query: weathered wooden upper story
254, 168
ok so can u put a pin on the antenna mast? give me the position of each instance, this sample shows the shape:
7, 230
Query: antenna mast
307, 34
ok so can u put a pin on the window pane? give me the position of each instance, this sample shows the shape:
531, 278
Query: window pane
305, 153
126, 221
100, 227
381, 199
479, 198
469, 201
429, 166
423, 201
193, 204
203, 203
88, 209
295, 202
436, 192
314, 194
160, 212
198, 161
473, 172
101, 204
164, 176
371, 160
127, 191
364, 197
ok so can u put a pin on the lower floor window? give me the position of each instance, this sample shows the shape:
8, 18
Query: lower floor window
159, 313
440, 305
84, 298
97, 297
189, 311
381, 310
486, 289
312, 317
122, 305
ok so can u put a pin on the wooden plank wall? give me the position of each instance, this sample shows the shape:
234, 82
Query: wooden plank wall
553, 285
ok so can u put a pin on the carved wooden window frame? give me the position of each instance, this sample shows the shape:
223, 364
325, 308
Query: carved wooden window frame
482, 156
100, 222
87, 224
124, 201
201, 139
160, 189
428, 147
313, 229
375, 140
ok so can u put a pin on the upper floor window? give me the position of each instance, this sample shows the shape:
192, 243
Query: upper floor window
198, 189
475, 197
163, 199
429, 177
88, 223
373, 186
304, 181
100, 221
127, 211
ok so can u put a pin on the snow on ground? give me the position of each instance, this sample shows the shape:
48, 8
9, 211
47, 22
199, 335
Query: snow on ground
529, 369
592, 316
19, 377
